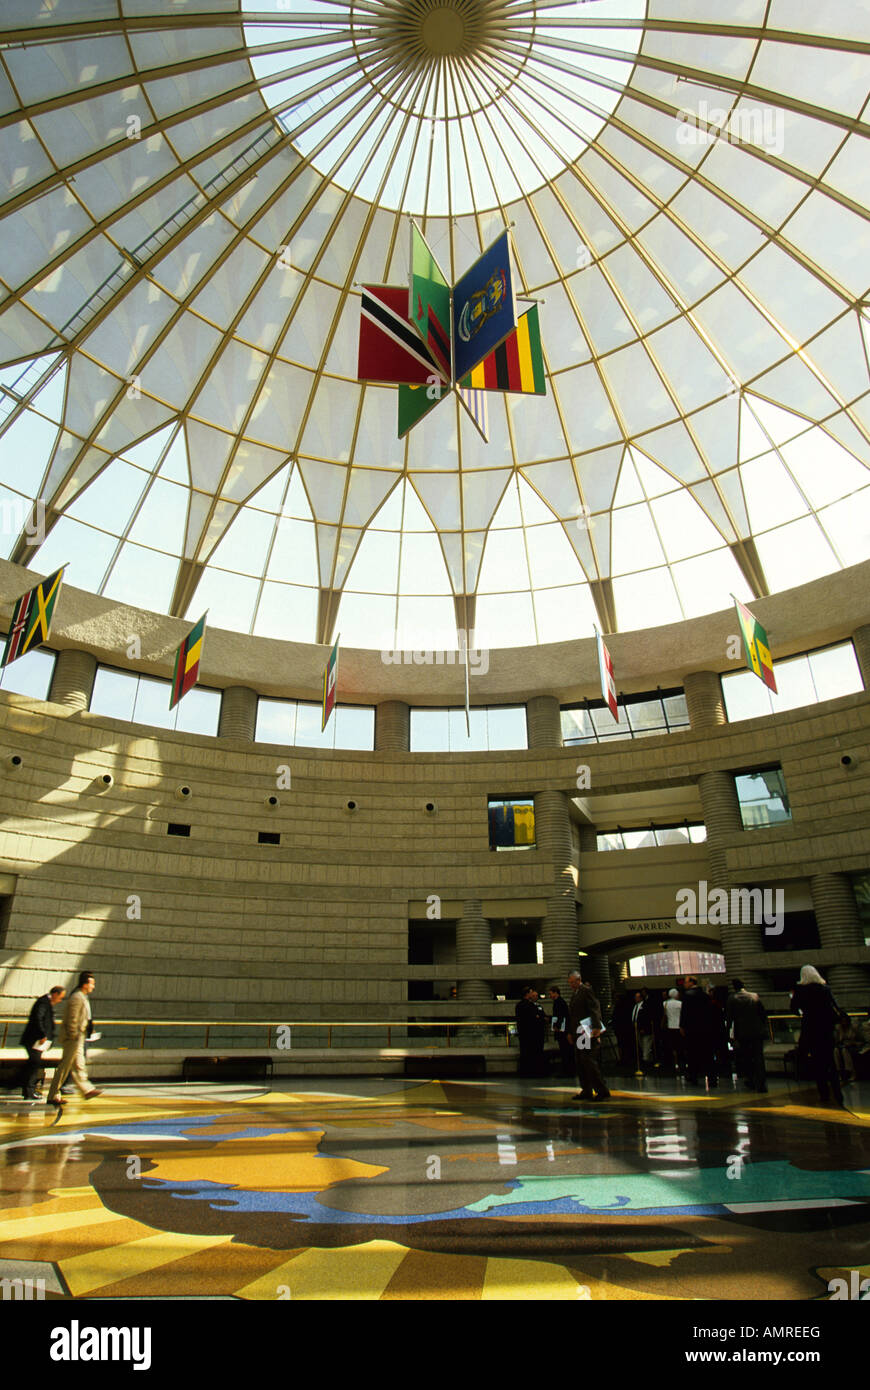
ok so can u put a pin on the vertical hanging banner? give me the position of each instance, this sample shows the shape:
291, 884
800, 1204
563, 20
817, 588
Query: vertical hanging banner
330, 677
390, 348
429, 302
484, 313
517, 364
417, 401
475, 403
187, 660
758, 657
31, 618
605, 671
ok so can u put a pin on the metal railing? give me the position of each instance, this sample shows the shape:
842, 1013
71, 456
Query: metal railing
134, 1034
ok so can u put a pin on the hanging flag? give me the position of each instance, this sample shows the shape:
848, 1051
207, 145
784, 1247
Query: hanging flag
605, 671
31, 618
758, 656
330, 675
483, 307
417, 401
389, 346
517, 364
429, 302
187, 660
476, 405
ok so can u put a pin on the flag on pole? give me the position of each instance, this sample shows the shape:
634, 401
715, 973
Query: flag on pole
755, 644
517, 364
484, 312
31, 617
187, 660
429, 302
390, 348
605, 671
330, 675
476, 405
417, 401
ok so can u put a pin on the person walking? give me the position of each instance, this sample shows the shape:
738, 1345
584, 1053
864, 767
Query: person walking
819, 1013
36, 1039
699, 1027
747, 1018
584, 1032
673, 1037
73, 1033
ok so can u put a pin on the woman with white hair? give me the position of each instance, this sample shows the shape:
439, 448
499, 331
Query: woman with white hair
819, 1012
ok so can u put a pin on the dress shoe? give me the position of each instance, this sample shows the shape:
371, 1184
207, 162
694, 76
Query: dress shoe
58, 1104
89, 1095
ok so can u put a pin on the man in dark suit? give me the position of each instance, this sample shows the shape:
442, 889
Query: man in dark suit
584, 1031
37, 1037
531, 1033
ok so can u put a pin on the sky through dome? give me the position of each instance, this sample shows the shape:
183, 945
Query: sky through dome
188, 211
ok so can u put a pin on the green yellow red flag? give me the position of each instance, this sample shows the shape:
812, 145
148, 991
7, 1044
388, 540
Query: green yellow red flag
755, 644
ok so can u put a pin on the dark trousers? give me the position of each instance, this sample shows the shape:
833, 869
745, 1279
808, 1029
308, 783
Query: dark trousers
749, 1056
27, 1077
566, 1055
588, 1060
531, 1059
701, 1058
819, 1055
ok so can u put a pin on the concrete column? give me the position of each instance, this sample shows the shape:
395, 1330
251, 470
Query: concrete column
473, 955
861, 641
704, 699
73, 681
544, 722
561, 938
722, 818
238, 716
840, 929
588, 838
392, 727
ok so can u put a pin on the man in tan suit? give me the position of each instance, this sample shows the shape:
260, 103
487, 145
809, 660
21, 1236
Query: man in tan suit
73, 1033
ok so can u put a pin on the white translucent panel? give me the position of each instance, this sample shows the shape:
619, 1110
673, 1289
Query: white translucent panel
691, 370
287, 612
838, 354
508, 514
506, 727
439, 493
564, 614
422, 569
366, 490
306, 337
533, 509
673, 448
638, 389
717, 227
505, 620
198, 712
742, 336
648, 300
535, 261
627, 202
246, 543
325, 484
21, 333
85, 551
309, 733
836, 80
276, 721
799, 302
348, 543
598, 473
161, 517
30, 438
229, 598
377, 444
677, 260
605, 323
30, 675
504, 566
389, 516
354, 727
847, 524
805, 17
428, 624
551, 558
470, 737
152, 703
771, 496
264, 321
795, 554
836, 672
586, 409
724, 503
562, 337
481, 494
756, 433
794, 684
23, 162
823, 469
836, 239
850, 173
683, 527
114, 693
654, 481
367, 620
629, 489
635, 543
558, 485
646, 600
747, 179
109, 500
597, 230
746, 697
139, 574
376, 566
181, 359
654, 172
705, 584
32, 237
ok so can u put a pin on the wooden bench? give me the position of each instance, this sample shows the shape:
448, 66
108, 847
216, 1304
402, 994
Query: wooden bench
228, 1068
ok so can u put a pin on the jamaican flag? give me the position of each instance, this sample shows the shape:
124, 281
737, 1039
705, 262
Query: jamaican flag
31, 620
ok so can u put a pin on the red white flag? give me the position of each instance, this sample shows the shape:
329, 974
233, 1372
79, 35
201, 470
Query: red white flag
390, 348
608, 683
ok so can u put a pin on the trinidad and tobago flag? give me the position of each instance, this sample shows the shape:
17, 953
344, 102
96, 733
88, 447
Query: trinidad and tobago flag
390, 348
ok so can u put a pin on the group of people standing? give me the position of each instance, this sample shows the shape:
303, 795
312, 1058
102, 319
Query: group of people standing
576, 1027
39, 1034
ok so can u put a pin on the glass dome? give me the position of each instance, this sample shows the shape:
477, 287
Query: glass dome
194, 193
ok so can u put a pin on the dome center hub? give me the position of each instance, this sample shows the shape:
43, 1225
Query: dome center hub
443, 32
